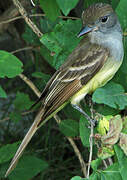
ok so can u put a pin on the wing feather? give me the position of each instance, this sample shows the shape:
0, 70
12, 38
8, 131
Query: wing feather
85, 61
68, 91
81, 66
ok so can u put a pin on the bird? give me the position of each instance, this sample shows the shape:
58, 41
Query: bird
91, 65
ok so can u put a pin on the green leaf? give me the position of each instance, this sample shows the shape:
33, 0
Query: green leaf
70, 112
111, 94
50, 8
22, 101
62, 40
84, 131
46, 54
15, 116
28, 167
78, 178
115, 3
123, 76
7, 152
30, 37
66, 5
112, 172
38, 74
2, 93
122, 13
95, 176
105, 110
44, 76
122, 160
3, 169
47, 25
69, 127
105, 152
109, 174
10, 65
95, 163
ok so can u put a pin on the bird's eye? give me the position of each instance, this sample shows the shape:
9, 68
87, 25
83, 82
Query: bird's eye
104, 19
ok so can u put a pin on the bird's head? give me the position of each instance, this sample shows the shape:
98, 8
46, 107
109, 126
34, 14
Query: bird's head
99, 19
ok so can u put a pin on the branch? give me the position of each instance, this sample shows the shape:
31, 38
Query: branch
30, 84
91, 141
91, 150
22, 49
34, 15
9, 14
26, 18
33, 3
76, 150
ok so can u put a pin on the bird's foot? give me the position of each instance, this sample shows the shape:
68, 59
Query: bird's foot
91, 120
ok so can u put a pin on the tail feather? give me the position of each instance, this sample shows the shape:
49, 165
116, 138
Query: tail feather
25, 141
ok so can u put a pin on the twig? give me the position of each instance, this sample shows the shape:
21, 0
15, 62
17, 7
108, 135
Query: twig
30, 84
11, 20
110, 161
91, 150
34, 15
91, 142
78, 154
33, 3
10, 13
26, 18
76, 150
34, 89
22, 49
105, 164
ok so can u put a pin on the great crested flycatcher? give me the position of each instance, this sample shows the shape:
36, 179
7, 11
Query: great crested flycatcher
92, 64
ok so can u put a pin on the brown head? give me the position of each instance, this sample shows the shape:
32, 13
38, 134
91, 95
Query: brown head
91, 14
99, 17
103, 28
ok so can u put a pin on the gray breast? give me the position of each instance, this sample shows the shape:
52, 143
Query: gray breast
112, 41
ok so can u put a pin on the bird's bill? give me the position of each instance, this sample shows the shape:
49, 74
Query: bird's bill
86, 30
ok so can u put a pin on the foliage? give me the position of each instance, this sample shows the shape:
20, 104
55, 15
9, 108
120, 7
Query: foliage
115, 98
49, 155
10, 66
58, 42
28, 167
69, 127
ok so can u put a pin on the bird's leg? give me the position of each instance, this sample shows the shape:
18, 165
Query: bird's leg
93, 121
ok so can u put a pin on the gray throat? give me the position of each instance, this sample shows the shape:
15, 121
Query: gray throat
112, 41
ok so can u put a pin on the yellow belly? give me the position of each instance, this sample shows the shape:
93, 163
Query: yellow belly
99, 80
